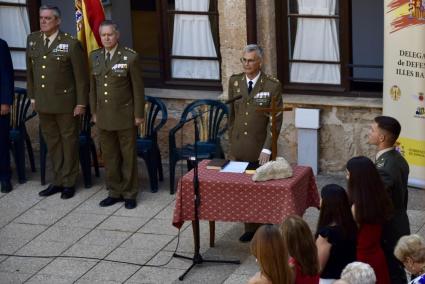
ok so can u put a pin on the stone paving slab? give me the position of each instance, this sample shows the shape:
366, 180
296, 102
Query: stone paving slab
78, 227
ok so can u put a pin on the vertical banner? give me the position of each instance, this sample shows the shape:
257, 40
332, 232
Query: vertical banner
404, 80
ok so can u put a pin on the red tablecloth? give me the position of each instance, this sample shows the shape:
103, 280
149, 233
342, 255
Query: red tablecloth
236, 198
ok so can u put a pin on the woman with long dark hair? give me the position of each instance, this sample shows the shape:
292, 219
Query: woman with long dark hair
371, 207
336, 233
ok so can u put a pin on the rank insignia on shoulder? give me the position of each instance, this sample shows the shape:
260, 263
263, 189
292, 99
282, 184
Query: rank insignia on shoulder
380, 164
129, 49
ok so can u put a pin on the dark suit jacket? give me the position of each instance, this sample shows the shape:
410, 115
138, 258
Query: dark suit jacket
250, 131
394, 172
57, 78
116, 92
6, 75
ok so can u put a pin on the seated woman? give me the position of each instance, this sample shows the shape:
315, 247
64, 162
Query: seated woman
302, 250
410, 250
357, 273
336, 233
371, 208
272, 256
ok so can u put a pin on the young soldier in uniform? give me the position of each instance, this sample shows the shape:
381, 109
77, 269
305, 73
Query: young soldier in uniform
394, 172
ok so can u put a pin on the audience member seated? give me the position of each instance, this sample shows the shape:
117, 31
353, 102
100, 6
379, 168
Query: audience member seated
336, 233
357, 273
410, 250
302, 250
271, 254
371, 209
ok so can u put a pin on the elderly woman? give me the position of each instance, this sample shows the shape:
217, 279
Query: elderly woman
410, 250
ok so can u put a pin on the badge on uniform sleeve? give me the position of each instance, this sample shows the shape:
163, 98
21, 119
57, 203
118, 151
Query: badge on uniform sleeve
380, 164
236, 84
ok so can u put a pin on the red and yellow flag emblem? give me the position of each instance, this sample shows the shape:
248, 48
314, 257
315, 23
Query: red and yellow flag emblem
89, 15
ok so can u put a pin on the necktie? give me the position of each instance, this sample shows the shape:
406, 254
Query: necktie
46, 43
108, 59
250, 86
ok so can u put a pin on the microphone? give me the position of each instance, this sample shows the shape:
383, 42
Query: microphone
232, 100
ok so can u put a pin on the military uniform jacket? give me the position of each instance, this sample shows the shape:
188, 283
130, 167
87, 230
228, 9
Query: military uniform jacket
250, 131
394, 172
57, 77
116, 92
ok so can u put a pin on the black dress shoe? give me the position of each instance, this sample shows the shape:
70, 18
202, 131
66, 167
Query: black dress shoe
52, 189
6, 186
68, 192
246, 237
109, 201
130, 203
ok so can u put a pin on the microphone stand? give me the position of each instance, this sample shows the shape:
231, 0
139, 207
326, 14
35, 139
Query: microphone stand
197, 257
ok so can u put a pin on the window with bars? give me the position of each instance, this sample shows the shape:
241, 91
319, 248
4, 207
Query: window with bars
322, 46
17, 20
181, 46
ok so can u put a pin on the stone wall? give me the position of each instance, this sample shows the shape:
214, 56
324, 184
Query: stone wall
232, 29
343, 134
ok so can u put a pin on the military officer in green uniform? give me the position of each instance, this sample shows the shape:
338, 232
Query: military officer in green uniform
394, 172
250, 131
117, 103
58, 85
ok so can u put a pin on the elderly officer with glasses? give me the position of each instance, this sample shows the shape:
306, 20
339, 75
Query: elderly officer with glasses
250, 131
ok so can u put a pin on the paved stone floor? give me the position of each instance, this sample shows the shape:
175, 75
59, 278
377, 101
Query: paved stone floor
79, 242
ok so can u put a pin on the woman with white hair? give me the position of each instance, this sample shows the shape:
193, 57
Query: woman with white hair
410, 250
357, 273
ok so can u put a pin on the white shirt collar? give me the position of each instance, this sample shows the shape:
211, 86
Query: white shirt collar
379, 154
52, 37
112, 51
254, 81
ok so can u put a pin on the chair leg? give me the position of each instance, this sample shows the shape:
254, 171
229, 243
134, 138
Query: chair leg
172, 166
94, 158
152, 170
159, 165
30, 152
85, 164
43, 155
18, 150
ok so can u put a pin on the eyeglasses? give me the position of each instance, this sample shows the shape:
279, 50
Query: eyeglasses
247, 61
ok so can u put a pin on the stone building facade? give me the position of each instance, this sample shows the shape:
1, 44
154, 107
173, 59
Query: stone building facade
344, 120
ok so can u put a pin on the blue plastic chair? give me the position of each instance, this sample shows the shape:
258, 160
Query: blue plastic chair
147, 139
87, 152
18, 135
211, 127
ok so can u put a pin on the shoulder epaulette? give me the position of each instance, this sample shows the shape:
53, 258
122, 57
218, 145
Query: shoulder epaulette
69, 36
271, 78
129, 49
237, 75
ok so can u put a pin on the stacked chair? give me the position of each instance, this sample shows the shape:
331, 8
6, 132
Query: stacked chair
19, 139
210, 116
147, 139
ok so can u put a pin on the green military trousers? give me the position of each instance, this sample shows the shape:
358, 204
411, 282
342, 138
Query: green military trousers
119, 154
60, 131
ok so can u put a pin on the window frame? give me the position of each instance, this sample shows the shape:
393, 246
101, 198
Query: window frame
32, 8
166, 52
345, 47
